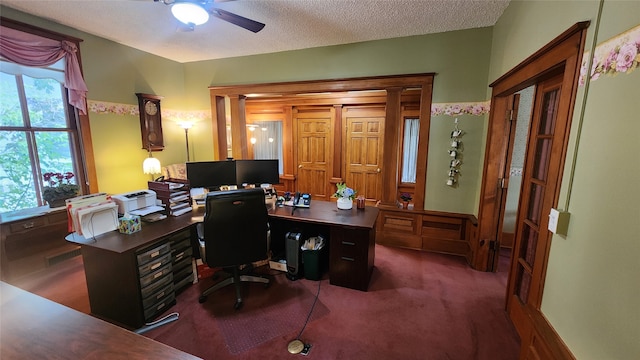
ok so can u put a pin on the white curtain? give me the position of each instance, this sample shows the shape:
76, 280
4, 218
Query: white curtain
268, 143
410, 150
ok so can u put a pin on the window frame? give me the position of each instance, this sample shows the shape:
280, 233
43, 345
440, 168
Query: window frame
80, 140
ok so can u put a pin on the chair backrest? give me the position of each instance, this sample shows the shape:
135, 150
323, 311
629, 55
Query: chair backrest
235, 227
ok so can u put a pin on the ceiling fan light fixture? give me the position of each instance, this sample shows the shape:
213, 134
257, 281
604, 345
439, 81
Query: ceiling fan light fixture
189, 13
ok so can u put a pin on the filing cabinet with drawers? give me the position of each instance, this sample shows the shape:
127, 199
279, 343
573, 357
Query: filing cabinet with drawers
132, 280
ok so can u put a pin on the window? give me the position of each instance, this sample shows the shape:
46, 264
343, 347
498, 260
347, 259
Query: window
410, 150
266, 139
38, 133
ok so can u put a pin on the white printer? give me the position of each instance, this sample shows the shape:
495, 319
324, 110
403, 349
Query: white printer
135, 200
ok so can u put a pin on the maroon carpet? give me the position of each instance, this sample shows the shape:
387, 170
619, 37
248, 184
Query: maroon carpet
419, 306
279, 310
266, 314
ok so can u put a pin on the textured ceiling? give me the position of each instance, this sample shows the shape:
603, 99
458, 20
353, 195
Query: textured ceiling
290, 24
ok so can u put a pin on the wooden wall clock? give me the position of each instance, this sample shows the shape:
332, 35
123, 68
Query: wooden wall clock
150, 122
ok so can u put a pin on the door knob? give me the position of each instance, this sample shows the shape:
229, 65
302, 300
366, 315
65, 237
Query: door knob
378, 170
299, 166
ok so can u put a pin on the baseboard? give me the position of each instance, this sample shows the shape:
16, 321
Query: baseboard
546, 340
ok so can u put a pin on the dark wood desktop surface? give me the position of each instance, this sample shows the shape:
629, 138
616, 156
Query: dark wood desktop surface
33, 327
320, 212
121, 243
327, 212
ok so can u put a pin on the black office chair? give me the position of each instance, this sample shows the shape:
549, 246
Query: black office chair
234, 234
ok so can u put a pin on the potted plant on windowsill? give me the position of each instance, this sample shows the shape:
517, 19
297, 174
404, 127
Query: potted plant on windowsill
60, 188
406, 198
345, 196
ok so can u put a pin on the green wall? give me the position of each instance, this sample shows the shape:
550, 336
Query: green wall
460, 60
114, 73
591, 292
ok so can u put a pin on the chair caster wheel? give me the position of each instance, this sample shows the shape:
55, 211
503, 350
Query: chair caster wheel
238, 305
202, 299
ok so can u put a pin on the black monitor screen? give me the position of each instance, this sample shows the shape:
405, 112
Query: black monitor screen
211, 174
257, 172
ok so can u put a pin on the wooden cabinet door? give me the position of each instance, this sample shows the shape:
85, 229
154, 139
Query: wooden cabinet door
314, 150
363, 148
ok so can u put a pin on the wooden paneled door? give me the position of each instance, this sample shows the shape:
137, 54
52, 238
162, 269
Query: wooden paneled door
314, 150
362, 148
540, 181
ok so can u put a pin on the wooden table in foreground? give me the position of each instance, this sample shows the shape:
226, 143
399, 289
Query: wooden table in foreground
33, 327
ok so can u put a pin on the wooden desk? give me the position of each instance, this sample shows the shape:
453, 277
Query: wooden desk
130, 276
351, 235
113, 269
33, 327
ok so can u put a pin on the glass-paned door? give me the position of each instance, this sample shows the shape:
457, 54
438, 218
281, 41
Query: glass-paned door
539, 180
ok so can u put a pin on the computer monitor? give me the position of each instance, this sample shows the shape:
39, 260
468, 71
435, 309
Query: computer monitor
211, 174
257, 172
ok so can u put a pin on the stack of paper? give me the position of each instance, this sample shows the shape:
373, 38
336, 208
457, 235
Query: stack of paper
92, 215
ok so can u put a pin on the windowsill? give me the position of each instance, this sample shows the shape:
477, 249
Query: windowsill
27, 213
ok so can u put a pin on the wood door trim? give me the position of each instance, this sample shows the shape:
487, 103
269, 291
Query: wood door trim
563, 55
389, 153
352, 84
566, 51
542, 61
545, 333
414, 88
336, 171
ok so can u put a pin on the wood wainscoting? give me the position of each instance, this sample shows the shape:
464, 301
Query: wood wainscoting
435, 231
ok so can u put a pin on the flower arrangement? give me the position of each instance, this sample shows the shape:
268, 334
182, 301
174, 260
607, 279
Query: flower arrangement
344, 192
405, 196
59, 189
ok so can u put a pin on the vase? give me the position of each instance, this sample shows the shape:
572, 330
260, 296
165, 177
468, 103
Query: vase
344, 203
58, 202
405, 204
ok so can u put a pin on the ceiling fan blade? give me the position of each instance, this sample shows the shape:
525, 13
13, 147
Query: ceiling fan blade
241, 21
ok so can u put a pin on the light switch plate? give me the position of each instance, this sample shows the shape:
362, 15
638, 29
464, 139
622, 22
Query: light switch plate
558, 222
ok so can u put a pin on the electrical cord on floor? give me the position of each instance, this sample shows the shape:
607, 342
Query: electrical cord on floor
154, 324
310, 312
297, 346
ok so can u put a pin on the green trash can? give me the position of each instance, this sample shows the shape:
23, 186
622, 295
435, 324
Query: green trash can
314, 262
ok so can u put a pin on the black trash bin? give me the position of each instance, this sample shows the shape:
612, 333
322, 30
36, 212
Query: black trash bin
314, 262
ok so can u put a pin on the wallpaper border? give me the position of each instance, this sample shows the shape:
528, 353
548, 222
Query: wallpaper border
104, 107
617, 55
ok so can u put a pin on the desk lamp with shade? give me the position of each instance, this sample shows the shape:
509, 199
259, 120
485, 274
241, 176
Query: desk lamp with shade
151, 165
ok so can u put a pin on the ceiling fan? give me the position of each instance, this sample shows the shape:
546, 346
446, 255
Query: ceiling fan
196, 12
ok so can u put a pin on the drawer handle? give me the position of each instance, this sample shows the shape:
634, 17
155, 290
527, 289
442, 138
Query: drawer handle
348, 258
348, 243
158, 275
160, 295
154, 254
160, 306
179, 256
28, 225
155, 266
